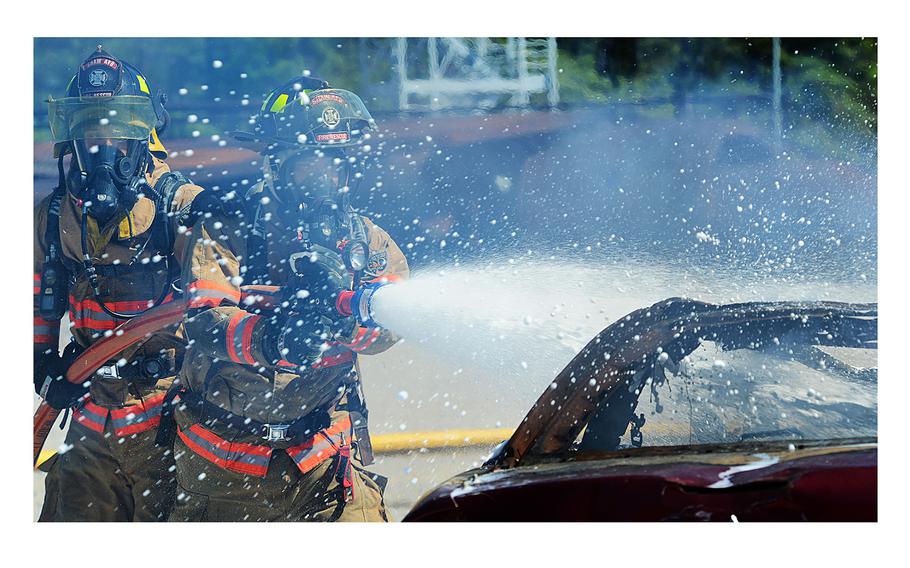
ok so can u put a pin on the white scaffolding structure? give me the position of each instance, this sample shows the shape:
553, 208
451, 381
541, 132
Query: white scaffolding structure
439, 73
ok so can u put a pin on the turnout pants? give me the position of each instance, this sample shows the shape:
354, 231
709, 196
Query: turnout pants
103, 477
207, 492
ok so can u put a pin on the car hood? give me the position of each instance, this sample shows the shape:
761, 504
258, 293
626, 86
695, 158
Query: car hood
784, 469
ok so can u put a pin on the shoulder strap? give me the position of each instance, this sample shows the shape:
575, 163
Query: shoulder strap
54, 276
357, 407
257, 250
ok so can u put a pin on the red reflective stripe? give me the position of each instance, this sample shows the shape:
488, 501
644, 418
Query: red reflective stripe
139, 427
38, 320
247, 340
333, 360
333, 430
225, 291
316, 459
36, 283
91, 408
95, 409
330, 435
229, 339
365, 337
139, 408
78, 417
203, 302
361, 333
375, 335
259, 296
45, 331
122, 306
82, 312
223, 444
326, 361
84, 323
340, 426
232, 465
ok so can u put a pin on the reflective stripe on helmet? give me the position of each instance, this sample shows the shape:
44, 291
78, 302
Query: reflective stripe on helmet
143, 86
279, 103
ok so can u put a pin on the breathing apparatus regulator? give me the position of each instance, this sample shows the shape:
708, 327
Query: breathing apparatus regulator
109, 122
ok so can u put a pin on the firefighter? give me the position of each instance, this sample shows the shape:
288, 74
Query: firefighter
107, 248
271, 423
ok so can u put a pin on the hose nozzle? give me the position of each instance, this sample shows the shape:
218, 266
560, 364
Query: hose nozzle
359, 303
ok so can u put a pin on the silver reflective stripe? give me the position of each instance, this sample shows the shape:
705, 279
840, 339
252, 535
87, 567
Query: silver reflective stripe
322, 445
45, 386
86, 313
238, 337
137, 418
91, 416
239, 457
46, 329
206, 293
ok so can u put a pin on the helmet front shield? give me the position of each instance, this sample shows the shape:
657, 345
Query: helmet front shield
125, 117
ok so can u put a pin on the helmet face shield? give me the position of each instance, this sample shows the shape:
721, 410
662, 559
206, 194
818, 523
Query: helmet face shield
118, 117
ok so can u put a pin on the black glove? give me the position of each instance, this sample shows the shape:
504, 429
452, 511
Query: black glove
206, 202
312, 318
50, 379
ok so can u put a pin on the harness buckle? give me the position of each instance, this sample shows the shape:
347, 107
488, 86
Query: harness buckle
276, 432
108, 371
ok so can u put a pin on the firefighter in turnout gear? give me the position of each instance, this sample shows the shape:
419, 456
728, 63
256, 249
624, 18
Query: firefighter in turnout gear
108, 247
270, 420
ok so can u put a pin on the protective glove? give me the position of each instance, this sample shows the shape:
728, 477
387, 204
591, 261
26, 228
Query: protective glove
313, 319
50, 378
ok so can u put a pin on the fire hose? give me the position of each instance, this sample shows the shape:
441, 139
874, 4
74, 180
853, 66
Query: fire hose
140, 328
98, 354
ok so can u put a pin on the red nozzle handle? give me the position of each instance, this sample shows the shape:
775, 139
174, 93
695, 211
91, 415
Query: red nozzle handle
343, 303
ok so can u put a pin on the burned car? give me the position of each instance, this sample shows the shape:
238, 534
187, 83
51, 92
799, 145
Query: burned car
685, 410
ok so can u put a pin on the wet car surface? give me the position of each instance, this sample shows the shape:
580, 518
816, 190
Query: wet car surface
773, 417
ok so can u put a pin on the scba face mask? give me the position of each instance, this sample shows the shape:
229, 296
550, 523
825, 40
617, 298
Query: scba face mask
107, 175
312, 180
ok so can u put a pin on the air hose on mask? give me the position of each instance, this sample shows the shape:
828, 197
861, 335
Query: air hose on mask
92, 273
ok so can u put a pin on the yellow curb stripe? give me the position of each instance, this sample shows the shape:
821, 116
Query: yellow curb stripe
404, 441
400, 442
